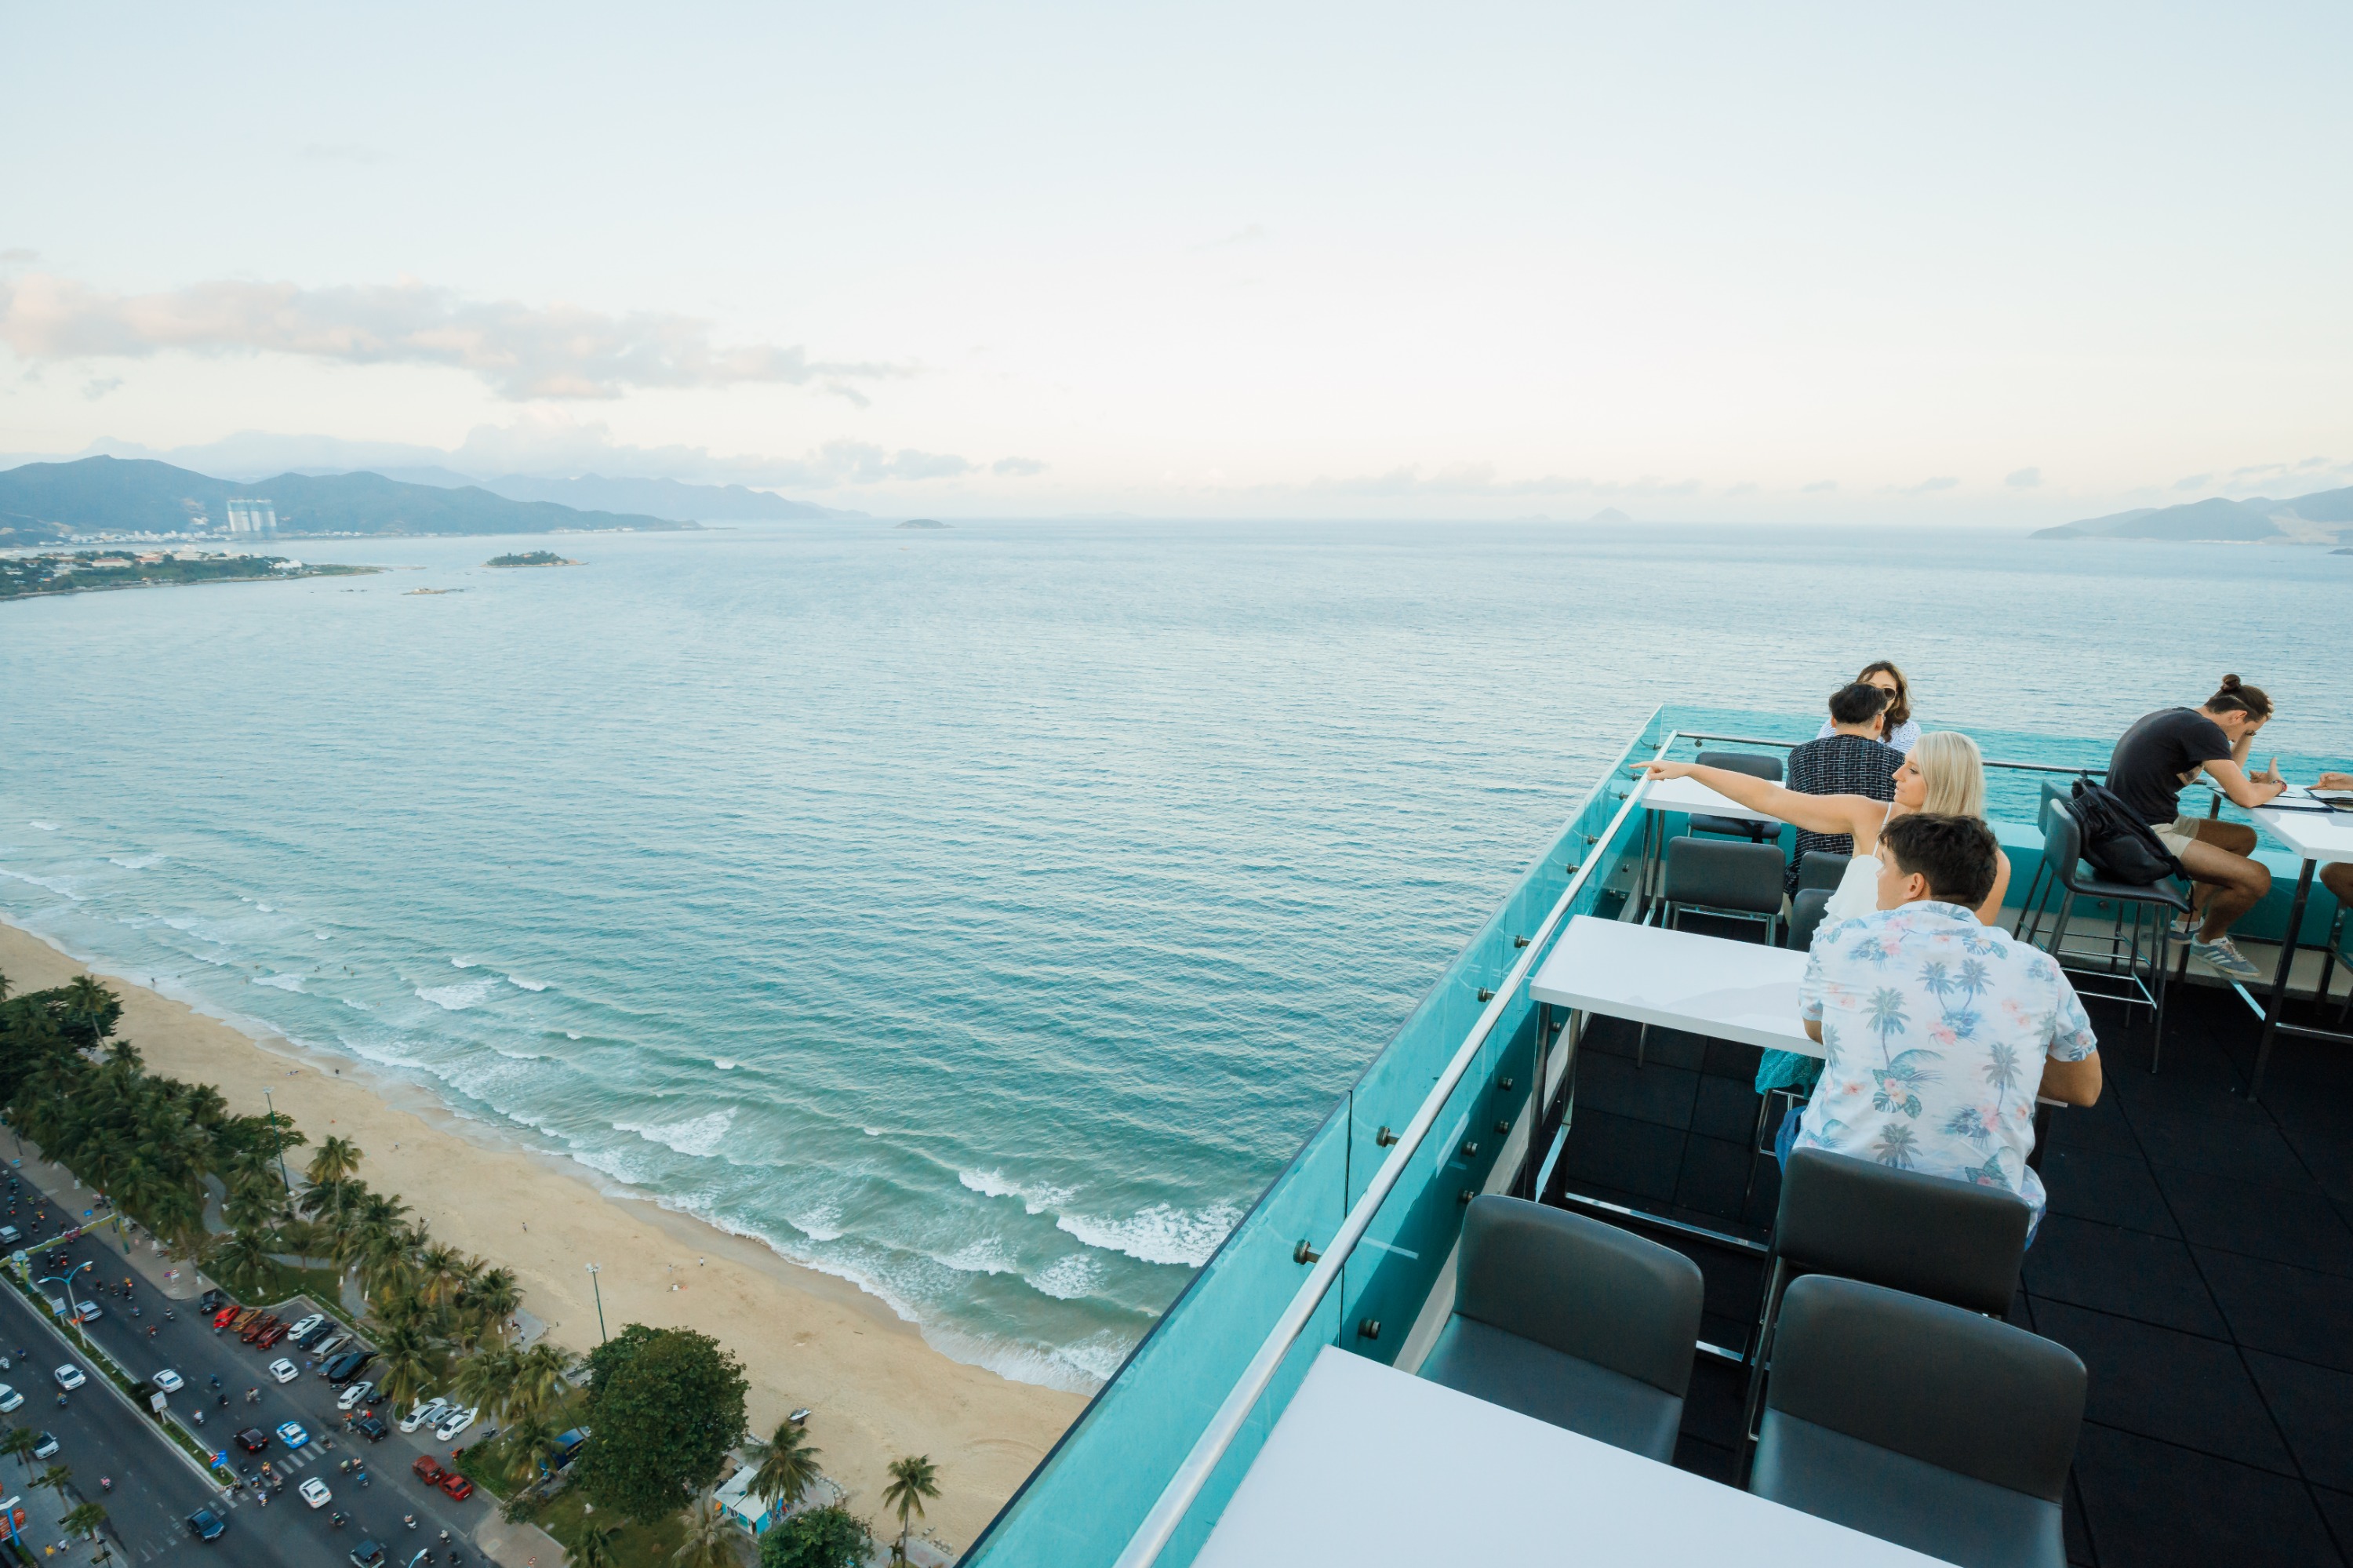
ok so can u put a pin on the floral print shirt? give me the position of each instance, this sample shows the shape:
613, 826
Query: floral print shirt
1936, 1028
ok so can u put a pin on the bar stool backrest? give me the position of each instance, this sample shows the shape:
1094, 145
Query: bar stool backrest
1711, 873
1936, 1237
1940, 1384
1749, 762
1820, 869
1806, 912
1581, 1287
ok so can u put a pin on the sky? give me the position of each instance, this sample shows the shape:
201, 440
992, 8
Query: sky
1992, 264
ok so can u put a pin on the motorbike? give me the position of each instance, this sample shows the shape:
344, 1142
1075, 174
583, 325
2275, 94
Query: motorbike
105, 1483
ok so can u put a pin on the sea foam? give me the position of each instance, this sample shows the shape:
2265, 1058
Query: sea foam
1161, 1234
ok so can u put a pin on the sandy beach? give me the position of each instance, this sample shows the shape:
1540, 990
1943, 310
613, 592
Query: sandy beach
805, 1339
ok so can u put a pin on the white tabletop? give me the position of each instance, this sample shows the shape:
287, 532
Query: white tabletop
1708, 985
1691, 795
2312, 835
1369, 1467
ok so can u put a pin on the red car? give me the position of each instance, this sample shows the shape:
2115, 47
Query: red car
427, 1470
270, 1336
222, 1319
456, 1486
259, 1326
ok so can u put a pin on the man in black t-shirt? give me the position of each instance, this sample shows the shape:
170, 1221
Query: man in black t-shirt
2164, 751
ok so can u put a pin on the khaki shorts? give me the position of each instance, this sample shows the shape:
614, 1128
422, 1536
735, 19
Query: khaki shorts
2177, 834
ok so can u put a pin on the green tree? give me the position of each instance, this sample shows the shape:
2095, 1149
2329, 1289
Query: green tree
538, 1380
665, 1405
530, 1448
598, 1547
57, 1478
784, 1465
85, 1520
20, 1443
829, 1537
486, 1380
710, 1540
88, 1010
912, 1480
241, 1261
336, 1160
409, 1359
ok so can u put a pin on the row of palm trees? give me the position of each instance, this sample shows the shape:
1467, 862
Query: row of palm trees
84, 1518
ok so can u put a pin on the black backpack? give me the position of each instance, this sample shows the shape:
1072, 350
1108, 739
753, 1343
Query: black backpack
2118, 841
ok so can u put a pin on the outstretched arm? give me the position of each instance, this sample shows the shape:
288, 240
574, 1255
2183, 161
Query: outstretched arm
2241, 789
1814, 813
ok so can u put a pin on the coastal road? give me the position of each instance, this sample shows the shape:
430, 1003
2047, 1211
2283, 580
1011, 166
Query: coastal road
283, 1531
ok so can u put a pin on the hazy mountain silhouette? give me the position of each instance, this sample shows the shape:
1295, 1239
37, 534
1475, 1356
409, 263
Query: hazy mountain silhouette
2317, 519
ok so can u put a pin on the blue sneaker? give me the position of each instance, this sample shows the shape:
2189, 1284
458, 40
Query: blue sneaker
2225, 959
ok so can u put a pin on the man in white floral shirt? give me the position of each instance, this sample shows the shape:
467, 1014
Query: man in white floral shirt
1940, 1031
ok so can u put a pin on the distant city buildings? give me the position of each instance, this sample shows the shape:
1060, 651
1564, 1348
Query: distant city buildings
252, 517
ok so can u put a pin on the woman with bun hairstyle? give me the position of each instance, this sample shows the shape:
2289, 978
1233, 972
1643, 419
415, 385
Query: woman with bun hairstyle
2167, 749
1898, 728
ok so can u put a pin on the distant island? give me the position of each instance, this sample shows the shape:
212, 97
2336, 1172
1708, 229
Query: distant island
2325, 517
922, 523
531, 558
59, 503
26, 577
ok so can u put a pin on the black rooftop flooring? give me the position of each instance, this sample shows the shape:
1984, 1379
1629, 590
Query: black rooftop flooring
2197, 1254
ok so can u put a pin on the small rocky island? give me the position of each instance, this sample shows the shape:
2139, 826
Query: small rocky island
531, 558
922, 523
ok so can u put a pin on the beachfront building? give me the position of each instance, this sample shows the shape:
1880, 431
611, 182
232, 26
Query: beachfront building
257, 519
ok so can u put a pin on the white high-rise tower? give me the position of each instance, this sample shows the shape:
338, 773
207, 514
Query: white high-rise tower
254, 517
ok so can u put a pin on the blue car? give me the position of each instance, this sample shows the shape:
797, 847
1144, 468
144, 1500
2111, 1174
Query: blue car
293, 1434
206, 1525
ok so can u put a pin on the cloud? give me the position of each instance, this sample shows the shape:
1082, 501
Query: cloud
1475, 479
19, 253
99, 387
2024, 479
343, 152
1930, 486
1820, 487
2195, 481
1249, 234
1746, 487
521, 351
1016, 467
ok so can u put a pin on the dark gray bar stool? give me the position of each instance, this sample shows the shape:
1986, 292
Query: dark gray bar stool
1821, 869
1920, 1423
1756, 767
1806, 917
1725, 879
2144, 972
1938, 1237
1573, 1323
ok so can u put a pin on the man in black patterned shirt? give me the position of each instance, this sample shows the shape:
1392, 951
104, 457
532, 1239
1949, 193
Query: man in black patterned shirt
1850, 761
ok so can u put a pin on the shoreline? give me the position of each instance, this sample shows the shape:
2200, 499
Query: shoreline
878, 1389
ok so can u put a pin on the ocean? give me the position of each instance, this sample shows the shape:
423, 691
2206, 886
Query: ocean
984, 915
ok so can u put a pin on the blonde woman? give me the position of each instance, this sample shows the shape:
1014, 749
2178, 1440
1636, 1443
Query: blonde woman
1943, 774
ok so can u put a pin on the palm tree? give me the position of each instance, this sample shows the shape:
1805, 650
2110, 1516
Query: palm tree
912, 1481
89, 1009
598, 1546
84, 1520
783, 1466
531, 1447
57, 1477
489, 1299
487, 1379
336, 1160
538, 1380
20, 1443
710, 1538
409, 1361
241, 1261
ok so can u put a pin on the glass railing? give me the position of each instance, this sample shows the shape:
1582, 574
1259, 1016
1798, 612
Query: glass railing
1161, 1429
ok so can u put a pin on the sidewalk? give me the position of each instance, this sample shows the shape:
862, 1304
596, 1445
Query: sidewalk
45, 1536
519, 1545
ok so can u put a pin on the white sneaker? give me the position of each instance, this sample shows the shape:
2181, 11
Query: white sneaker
2225, 959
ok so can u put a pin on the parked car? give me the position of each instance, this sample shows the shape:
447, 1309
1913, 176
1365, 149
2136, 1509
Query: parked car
345, 1367
267, 1339
9, 1398
292, 1434
47, 1448
318, 1333
328, 1346
254, 1330
70, 1376
284, 1371
168, 1381
428, 1412
427, 1470
253, 1440
223, 1315
568, 1446
353, 1397
314, 1493
367, 1555
454, 1422
206, 1525
372, 1427
212, 1300
456, 1486
243, 1317
306, 1325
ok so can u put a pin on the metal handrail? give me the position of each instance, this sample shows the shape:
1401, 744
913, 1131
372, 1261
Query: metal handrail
1989, 762
1184, 1488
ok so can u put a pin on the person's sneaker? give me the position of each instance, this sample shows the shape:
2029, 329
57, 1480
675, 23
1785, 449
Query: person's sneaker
2186, 924
2225, 959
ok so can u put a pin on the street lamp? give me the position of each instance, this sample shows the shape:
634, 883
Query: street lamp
593, 1272
273, 1138
73, 1308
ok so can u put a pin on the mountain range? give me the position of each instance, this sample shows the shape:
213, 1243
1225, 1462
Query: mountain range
41, 503
2325, 517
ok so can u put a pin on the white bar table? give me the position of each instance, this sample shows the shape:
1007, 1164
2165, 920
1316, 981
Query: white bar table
1369, 1467
2318, 839
1694, 799
1677, 980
